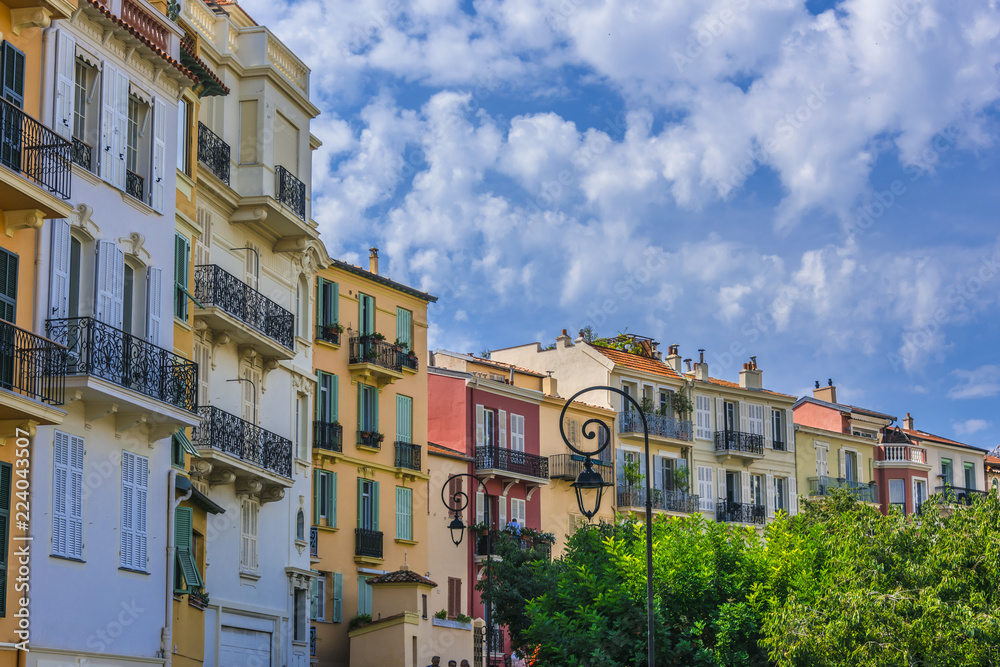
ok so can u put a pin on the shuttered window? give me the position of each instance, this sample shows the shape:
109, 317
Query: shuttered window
517, 510
13, 78
327, 295
404, 513
404, 328
703, 416
366, 314
368, 504
337, 598
364, 596
404, 419
326, 397
67, 496
517, 433
454, 597
8, 286
249, 516
187, 565
5, 471
367, 408
706, 492
182, 259
317, 598
135, 498
325, 498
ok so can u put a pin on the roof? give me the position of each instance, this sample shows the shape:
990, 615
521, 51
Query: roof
843, 407
637, 362
440, 450
489, 362
993, 462
406, 576
142, 38
735, 385
382, 280
873, 413
213, 84
921, 435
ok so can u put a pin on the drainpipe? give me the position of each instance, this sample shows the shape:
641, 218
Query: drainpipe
167, 633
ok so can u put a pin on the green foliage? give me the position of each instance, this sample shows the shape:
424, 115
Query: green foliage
588, 334
359, 620
462, 618
443, 614
632, 472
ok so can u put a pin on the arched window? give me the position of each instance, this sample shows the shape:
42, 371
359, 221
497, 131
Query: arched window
300, 526
994, 482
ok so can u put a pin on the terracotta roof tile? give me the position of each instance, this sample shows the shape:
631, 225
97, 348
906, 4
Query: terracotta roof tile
505, 366
636, 362
923, 435
401, 577
188, 45
434, 448
992, 460
735, 385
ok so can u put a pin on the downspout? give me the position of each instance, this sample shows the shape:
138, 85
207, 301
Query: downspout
167, 633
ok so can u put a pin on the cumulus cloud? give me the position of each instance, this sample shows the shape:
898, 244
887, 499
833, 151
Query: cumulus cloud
982, 382
971, 426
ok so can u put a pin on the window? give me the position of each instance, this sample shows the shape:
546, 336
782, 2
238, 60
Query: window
517, 511
135, 494
128, 294
137, 148
995, 484
317, 598
897, 494
454, 597
404, 513
919, 493
183, 136
364, 596
300, 623
423, 606
367, 408
8, 292
822, 462
404, 328
366, 314
703, 416
630, 458
486, 427
327, 297
176, 452
778, 430
970, 475
251, 385
517, 435
780, 494
67, 499
731, 420
75, 259
5, 480
757, 490
300, 525
666, 474
249, 517
368, 500
705, 489
337, 598
755, 422
326, 397
186, 574
182, 261
404, 419
13, 78
946, 475
301, 439
325, 498
733, 488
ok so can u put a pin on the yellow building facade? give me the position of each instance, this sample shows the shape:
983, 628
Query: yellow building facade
369, 506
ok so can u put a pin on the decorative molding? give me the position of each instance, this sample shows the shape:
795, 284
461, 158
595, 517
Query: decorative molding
221, 478
80, 219
29, 17
302, 384
248, 487
246, 352
292, 244
29, 218
272, 494
254, 214
132, 245
94, 411
200, 468
269, 364
9, 429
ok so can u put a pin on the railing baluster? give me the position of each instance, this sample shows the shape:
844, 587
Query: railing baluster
246, 441
31, 149
214, 286
213, 152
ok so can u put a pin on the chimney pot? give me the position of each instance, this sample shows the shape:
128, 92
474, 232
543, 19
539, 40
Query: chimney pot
817, 384
829, 383
701, 356
688, 362
373, 260
827, 393
908, 422
564, 332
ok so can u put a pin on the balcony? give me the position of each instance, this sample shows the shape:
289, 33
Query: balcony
83, 154
630, 422
145, 24
569, 467
486, 544
960, 495
375, 359
32, 376
229, 301
733, 512
101, 357
408, 361
245, 449
213, 152
904, 454
509, 463
367, 543
407, 456
291, 192
38, 174
371, 439
823, 486
134, 185
328, 436
738, 443
329, 333
668, 501
314, 542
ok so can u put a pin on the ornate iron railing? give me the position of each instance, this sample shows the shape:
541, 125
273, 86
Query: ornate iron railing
407, 360
214, 286
739, 441
569, 466
329, 436
486, 545
31, 365
779, 446
498, 458
629, 421
960, 494
291, 191
367, 542
824, 485
83, 154
669, 500
328, 333
227, 433
213, 152
314, 542
370, 439
368, 349
734, 512
407, 455
99, 349
34, 151
134, 185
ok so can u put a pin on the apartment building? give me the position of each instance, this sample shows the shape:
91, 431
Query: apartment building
369, 491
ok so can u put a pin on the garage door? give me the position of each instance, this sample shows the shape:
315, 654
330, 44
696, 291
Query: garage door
244, 648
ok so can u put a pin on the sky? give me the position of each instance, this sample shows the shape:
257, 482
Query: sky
810, 182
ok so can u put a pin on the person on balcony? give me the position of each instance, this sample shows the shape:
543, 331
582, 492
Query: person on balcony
514, 527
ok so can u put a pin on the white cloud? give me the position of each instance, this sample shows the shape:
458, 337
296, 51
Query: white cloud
970, 426
982, 382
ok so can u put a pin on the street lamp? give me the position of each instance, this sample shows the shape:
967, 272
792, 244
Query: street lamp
591, 480
459, 502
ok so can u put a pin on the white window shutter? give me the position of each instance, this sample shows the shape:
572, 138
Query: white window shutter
790, 428
860, 458
502, 501
338, 597
745, 499
127, 546
721, 472
121, 126
65, 84
744, 421
720, 414
480, 507
109, 140
656, 472
154, 304
793, 497
141, 506
159, 174
766, 418
109, 283
480, 426
841, 456
75, 503
770, 496
60, 495
502, 418
59, 281
620, 466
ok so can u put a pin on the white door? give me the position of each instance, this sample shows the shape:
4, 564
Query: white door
244, 648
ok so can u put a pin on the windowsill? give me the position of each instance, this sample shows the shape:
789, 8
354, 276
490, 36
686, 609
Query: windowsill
325, 343
133, 571
181, 323
250, 576
302, 544
303, 341
369, 448
300, 642
69, 558
409, 543
86, 174
135, 203
329, 529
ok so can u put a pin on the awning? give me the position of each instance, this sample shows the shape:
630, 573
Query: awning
185, 443
197, 497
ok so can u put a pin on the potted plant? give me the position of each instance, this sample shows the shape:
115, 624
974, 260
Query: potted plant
198, 598
359, 620
682, 477
443, 614
480, 528
378, 336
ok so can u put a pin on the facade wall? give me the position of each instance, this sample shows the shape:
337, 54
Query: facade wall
833, 448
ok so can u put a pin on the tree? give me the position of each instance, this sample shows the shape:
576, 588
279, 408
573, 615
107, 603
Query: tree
588, 334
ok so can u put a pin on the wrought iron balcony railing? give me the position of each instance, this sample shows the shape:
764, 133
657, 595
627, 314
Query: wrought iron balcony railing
825, 485
407, 455
734, 512
314, 542
960, 495
329, 436
83, 154
367, 543
229, 434
629, 421
214, 286
370, 439
31, 365
486, 545
368, 349
667, 500
520, 463
213, 152
291, 191
569, 467
134, 185
328, 333
99, 349
738, 441
407, 360
34, 151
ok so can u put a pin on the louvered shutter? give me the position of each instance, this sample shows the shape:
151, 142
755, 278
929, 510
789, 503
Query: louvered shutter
154, 303
706, 488
502, 419
60, 495
338, 598
744, 419
404, 418
860, 458
316, 497
203, 357
480, 426
127, 546
502, 511
159, 175
720, 415
183, 529
793, 496
121, 126
768, 437
375, 505
5, 471
404, 321
480, 507
746, 497
657, 481
65, 84
721, 473
842, 463
141, 512
770, 496
13, 90
74, 542
790, 429
620, 467
110, 283
517, 432
109, 140
332, 500
59, 280
320, 597
8, 300
404, 513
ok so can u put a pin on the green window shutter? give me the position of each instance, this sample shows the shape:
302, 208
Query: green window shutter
338, 598
5, 470
361, 502
183, 518
404, 418
182, 255
316, 474
373, 394
362, 426
375, 498
364, 595
404, 513
334, 398
320, 321
8, 286
404, 327
13, 77
332, 502
366, 314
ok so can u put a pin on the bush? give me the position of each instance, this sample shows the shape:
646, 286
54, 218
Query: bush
359, 620
443, 614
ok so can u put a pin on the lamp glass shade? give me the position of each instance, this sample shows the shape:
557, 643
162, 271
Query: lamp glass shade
589, 480
457, 528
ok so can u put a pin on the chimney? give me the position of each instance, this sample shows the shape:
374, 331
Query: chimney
908, 422
549, 385
373, 260
701, 368
564, 339
750, 376
674, 358
827, 393
688, 362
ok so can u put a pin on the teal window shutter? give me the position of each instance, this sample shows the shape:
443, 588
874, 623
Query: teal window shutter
361, 503
404, 513
316, 498
320, 310
366, 314
362, 425
8, 288
404, 327
183, 533
364, 595
182, 254
334, 398
338, 598
375, 498
404, 418
332, 501
5, 470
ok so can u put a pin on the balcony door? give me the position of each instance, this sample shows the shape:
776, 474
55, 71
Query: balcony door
731, 416
8, 312
366, 315
13, 92
367, 504
734, 489
757, 490
970, 475
251, 386
517, 438
851, 467
919, 493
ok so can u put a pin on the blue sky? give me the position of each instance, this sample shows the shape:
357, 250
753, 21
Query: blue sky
810, 182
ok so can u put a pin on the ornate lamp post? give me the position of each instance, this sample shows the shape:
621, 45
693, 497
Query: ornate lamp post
459, 502
591, 480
